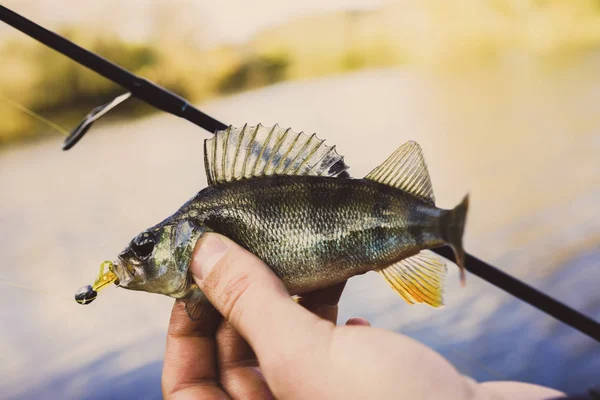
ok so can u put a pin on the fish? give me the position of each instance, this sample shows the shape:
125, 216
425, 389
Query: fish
288, 198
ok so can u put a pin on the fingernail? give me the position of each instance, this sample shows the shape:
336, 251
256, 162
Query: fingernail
209, 250
357, 321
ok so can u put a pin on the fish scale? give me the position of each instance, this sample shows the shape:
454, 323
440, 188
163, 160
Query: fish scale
292, 232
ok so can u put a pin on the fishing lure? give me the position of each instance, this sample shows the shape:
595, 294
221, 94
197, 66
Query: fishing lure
288, 198
88, 293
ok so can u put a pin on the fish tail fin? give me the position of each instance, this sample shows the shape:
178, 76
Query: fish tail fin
452, 232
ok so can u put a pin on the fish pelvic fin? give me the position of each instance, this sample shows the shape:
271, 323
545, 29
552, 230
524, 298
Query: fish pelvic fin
453, 227
197, 305
234, 154
418, 279
406, 169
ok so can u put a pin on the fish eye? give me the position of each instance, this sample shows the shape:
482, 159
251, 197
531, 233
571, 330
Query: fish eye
143, 245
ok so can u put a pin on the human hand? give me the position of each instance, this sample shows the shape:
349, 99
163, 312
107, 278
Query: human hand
209, 359
302, 354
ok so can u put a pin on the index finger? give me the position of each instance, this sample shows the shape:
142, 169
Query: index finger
190, 365
256, 302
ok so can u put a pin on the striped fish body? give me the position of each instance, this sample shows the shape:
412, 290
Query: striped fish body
288, 198
317, 231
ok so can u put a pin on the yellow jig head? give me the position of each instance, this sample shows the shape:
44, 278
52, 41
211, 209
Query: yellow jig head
88, 293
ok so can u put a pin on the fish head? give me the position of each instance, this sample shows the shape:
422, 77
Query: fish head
157, 260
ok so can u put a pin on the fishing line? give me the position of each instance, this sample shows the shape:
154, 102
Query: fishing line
42, 291
35, 115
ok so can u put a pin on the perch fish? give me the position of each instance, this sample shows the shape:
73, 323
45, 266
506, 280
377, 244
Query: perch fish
287, 198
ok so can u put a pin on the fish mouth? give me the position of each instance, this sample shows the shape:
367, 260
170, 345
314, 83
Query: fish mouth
124, 274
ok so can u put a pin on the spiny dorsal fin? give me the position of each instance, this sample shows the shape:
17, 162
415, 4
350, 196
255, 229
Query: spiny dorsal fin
418, 279
405, 169
255, 151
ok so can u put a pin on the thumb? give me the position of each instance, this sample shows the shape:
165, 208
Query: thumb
250, 296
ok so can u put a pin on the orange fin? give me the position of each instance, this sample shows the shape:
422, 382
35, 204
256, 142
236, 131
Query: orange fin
418, 279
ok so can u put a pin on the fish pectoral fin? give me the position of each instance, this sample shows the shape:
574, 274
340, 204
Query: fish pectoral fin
197, 305
255, 151
405, 169
418, 279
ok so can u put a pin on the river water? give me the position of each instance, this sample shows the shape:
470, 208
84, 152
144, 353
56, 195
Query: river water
522, 138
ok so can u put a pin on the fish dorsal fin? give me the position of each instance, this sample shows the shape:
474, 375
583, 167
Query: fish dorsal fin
405, 169
256, 151
418, 279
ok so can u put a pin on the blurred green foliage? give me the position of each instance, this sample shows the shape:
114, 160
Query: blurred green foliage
55, 87
430, 34
254, 72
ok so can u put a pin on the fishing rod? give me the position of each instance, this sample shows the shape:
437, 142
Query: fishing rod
141, 88
171, 103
